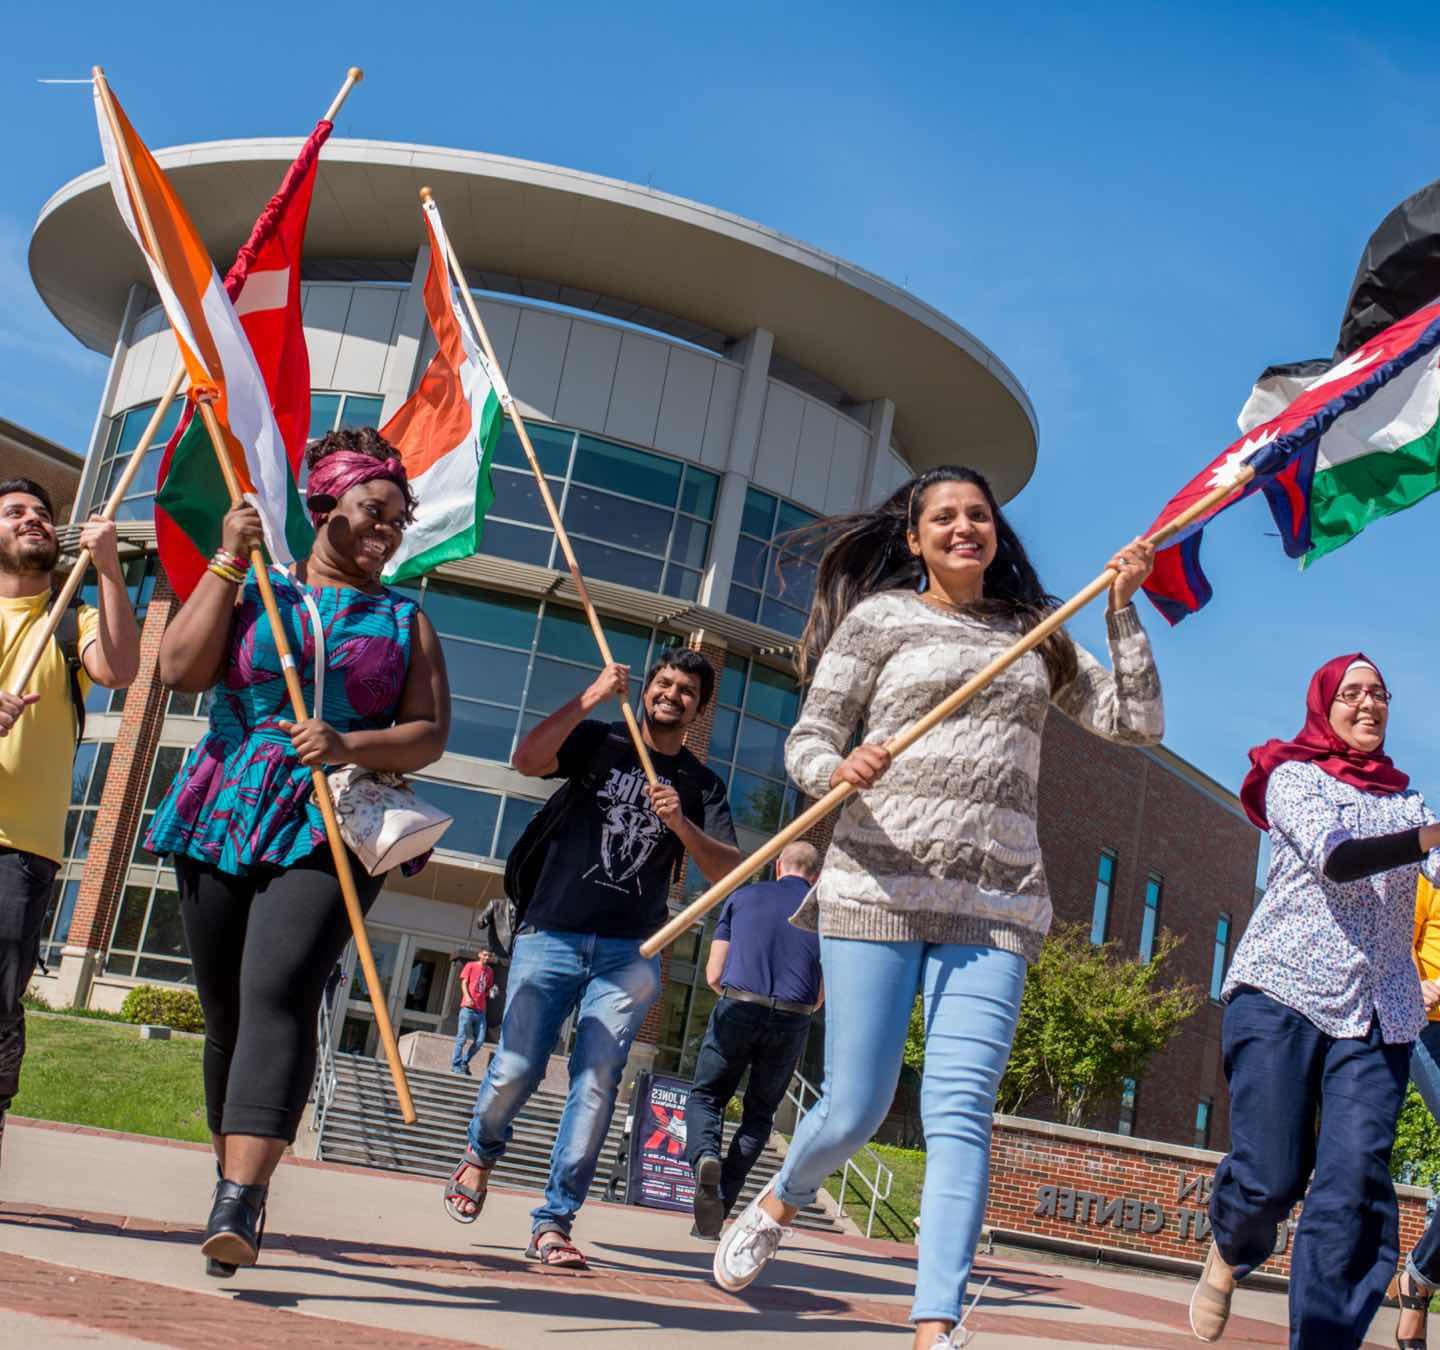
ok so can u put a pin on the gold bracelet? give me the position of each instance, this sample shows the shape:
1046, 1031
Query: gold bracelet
226, 574
234, 561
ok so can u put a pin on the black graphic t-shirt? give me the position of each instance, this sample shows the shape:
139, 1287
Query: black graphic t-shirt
609, 865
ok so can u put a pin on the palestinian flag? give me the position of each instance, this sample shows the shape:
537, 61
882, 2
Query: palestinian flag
1382, 461
1357, 443
447, 430
214, 344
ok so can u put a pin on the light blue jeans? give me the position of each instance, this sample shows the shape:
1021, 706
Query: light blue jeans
972, 1001
471, 1032
553, 974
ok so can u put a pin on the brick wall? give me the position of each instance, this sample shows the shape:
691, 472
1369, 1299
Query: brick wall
1123, 1194
116, 820
1094, 795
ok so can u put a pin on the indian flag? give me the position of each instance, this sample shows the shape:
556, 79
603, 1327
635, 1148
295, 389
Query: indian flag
446, 431
1373, 461
212, 341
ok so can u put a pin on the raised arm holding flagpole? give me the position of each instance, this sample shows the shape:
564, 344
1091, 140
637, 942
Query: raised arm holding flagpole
507, 403
233, 405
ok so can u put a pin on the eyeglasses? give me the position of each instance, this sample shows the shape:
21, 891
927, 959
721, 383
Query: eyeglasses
1352, 696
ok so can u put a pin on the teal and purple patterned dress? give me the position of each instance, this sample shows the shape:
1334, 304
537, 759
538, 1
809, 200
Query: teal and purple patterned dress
242, 798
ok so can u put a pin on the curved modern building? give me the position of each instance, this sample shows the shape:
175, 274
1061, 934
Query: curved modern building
695, 385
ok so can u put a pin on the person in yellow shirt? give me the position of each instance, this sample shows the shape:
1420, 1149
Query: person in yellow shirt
38, 728
1419, 1277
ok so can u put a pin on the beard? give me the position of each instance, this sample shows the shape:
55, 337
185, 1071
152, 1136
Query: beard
29, 555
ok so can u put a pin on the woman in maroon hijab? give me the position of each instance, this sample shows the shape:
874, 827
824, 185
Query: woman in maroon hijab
1322, 1003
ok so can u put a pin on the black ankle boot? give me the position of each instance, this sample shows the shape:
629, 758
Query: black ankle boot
236, 1228
218, 1270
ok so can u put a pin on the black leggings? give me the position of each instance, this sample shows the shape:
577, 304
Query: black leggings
262, 946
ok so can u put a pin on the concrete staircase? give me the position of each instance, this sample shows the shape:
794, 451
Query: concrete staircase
362, 1125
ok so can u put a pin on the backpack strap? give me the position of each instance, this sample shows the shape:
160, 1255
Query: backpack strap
67, 637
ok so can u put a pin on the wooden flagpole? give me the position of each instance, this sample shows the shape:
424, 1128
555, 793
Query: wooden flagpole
204, 402
66, 593
817, 811
507, 401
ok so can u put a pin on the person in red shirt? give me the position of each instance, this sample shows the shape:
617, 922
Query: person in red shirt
477, 979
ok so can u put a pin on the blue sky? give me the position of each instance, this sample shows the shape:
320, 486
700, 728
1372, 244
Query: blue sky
1136, 208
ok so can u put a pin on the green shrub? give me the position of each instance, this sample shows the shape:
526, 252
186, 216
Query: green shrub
178, 1009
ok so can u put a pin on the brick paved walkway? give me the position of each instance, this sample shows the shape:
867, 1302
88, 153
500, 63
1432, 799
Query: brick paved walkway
97, 1247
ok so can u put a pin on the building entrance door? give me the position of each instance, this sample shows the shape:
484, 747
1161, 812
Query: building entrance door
421, 982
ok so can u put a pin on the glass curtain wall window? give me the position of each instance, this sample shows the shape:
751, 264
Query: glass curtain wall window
634, 517
1104, 885
1222, 956
327, 413
1150, 924
87, 781
140, 585
767, 587
147, 941
513, 661
755, 707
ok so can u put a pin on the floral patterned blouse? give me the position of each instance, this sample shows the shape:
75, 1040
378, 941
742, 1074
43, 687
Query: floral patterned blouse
1339, 953
242, 798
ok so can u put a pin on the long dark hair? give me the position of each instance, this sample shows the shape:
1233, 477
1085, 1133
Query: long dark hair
866, 552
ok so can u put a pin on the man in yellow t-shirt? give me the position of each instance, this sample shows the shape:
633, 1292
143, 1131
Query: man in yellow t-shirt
38, 728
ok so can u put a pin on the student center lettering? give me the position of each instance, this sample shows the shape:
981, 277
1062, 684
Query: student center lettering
1133, 1215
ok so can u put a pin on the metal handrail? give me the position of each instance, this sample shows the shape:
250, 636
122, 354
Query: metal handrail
884, 1178
324, 1063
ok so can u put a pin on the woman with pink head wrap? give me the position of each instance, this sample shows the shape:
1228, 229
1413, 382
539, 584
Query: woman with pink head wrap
263, 916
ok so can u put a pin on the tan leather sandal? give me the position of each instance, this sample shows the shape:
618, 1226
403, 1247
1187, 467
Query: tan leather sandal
1209, 1306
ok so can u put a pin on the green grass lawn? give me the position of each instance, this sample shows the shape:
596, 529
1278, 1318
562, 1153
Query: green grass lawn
894, 1217
97, 1073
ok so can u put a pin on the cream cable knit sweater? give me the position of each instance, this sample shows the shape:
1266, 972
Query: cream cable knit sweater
944, 847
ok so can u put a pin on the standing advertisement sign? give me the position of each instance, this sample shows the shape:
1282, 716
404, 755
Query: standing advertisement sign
659, 1176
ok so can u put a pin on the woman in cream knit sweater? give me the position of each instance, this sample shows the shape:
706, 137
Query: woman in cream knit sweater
933, 882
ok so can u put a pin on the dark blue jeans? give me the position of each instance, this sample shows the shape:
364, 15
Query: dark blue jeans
26, 884
1284, 1072
741, 1036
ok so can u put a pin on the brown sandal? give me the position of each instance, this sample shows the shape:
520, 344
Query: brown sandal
561, 1254
1411, 1302
455, 1191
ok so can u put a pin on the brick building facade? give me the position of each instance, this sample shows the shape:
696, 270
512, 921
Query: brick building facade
1158, 820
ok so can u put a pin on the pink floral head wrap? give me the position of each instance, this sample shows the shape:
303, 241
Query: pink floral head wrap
336, 474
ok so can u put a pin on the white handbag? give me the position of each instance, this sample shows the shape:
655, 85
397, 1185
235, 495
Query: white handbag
381, 818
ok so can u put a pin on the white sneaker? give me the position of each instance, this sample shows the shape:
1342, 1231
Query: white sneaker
748, 1244
955, 1339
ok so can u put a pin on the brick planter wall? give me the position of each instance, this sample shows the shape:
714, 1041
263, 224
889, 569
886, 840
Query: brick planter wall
1120, 1194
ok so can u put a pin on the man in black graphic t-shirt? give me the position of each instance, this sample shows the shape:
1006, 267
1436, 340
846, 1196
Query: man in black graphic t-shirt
602, 889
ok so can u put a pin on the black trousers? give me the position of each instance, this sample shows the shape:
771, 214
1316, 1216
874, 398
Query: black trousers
26, 883
740, 1036
263, 946
1283, 1071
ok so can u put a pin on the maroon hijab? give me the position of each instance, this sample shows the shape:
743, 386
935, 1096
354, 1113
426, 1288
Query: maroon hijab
1318, 744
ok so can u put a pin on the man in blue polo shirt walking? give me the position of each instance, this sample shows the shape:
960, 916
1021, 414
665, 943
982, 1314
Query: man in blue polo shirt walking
767, 974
